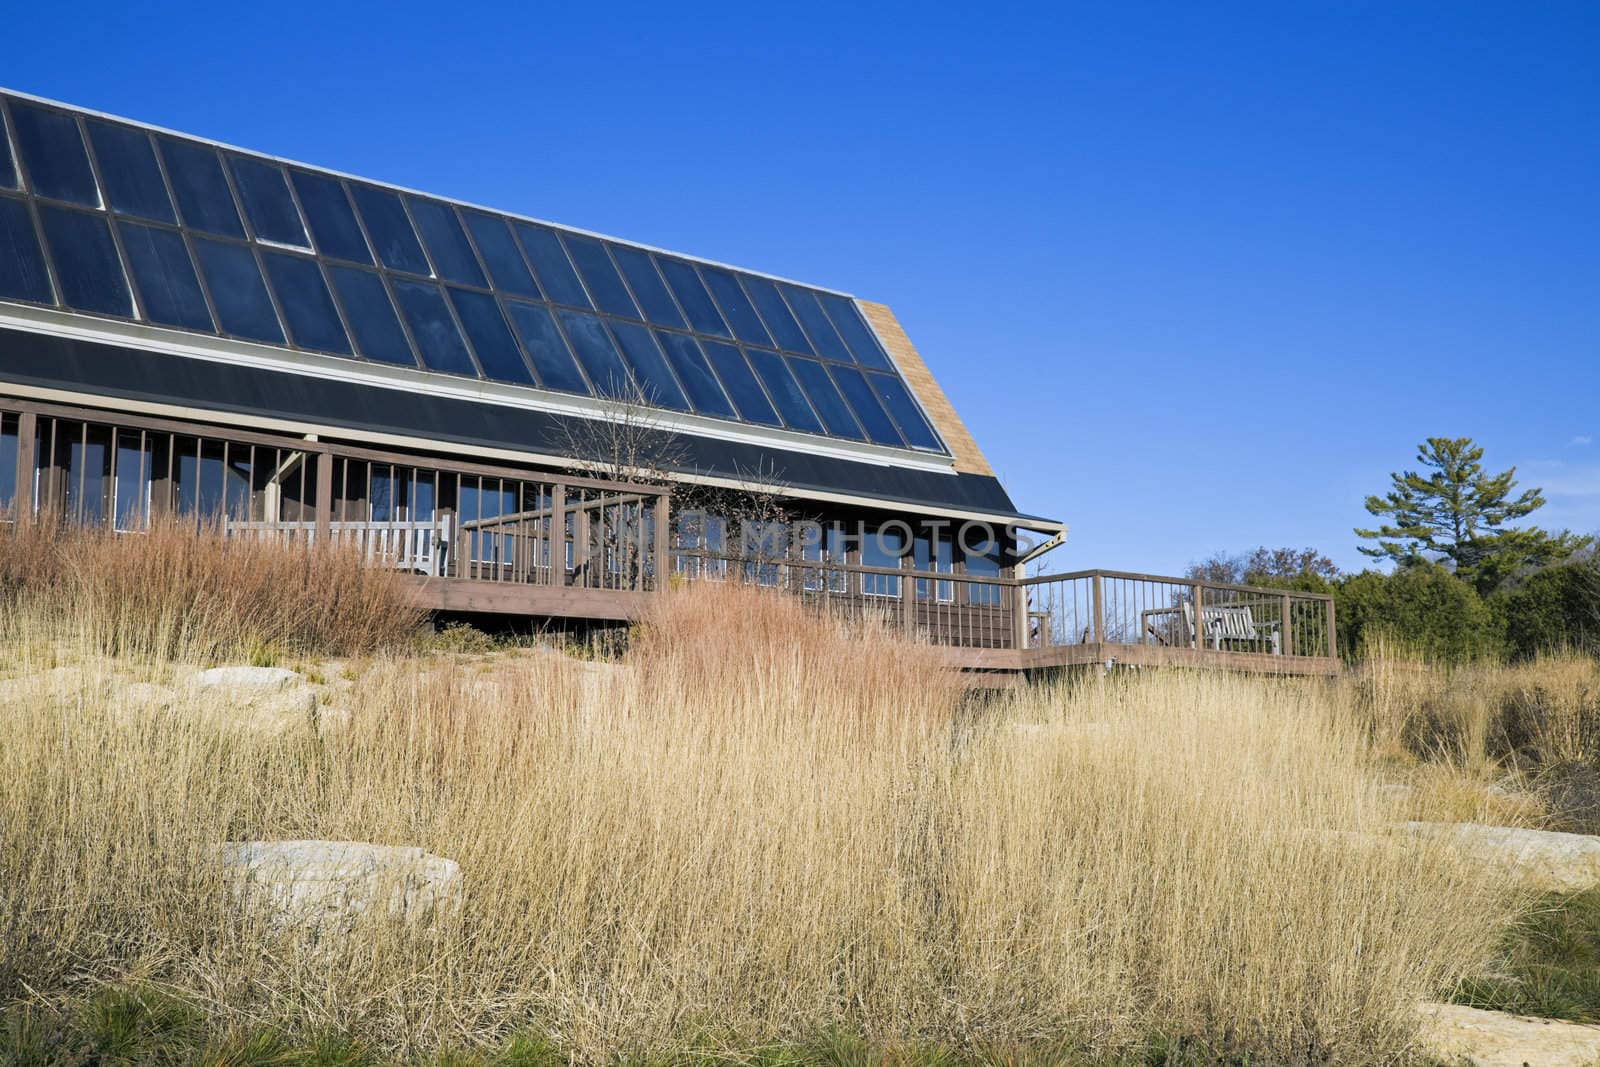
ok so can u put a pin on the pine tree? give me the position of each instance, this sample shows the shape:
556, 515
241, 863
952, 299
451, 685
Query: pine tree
1460, 513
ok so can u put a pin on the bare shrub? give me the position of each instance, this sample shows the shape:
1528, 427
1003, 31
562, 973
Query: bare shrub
172, 591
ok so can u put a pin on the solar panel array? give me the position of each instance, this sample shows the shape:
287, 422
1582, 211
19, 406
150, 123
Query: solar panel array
106, 218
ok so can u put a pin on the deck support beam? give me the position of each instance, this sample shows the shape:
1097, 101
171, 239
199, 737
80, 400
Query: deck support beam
27, 435
324, 496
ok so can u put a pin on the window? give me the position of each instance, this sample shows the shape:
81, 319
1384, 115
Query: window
551, 264
825, 544
598, 355
649, 366
482, 501
934, 554
132, 177
770, 303
499, 252
692, 295
982, 559
741, 385
372, 319
201, 188
438, 341
825, 398
882, 547
167, 284
8, 466
213, 482
22, 273
53, 154
307, 307
784, 390
333, 222
600, 276
863, 343
824, 338
695, 373
86, 451
736, 307
647, 286
267, 204
390, 229
698, 532
486, 329
765, 546
86, 261
447, 242
864, 402
897, 399
546, 348
401, 494
134, 468
243, 306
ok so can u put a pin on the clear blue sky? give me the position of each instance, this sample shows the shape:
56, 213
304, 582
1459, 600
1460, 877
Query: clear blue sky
1197, 275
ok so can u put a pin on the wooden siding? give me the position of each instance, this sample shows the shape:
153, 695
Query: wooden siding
969, 459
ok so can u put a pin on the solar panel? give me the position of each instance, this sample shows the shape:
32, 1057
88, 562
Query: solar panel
233, 243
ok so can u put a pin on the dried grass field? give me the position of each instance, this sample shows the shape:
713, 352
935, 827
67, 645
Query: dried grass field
754, 836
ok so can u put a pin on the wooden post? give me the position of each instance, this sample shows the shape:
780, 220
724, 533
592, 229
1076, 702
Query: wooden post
1197, 591
1019, 607
908, 593
580, 546
663, 540
1285, 628
1099, 609
558, 534
1333, 644
324, 497
27, 432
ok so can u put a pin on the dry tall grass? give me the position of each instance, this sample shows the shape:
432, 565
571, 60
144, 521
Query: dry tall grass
169, 592
1515, 744
758, 825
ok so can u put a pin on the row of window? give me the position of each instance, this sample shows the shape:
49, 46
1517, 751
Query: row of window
416, 282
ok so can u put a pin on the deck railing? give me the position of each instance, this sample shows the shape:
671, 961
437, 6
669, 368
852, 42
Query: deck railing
1108, 611
1151, 611
471, 521
599, 544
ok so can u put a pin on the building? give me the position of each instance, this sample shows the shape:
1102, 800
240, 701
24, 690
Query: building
525, 417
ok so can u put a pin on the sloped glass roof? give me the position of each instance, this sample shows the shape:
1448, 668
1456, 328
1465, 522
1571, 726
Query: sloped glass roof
101, 217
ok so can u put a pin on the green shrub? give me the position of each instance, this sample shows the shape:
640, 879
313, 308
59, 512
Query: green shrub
1423, 607
1552, 609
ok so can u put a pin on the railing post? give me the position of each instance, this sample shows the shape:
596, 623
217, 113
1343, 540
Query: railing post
1099, 608
581, 546
1333, 644
27, 433
908, 594
662, 540
1197, 591
1019, 607
1286, 627
558, 534
324, 496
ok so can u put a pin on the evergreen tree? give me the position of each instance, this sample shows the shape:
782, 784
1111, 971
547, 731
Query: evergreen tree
1459, 513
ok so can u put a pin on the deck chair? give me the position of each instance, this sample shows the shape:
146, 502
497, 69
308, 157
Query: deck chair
1234, 624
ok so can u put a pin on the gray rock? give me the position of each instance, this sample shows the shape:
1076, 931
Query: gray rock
247, 678
1494, 1039
1548, 859
320, 885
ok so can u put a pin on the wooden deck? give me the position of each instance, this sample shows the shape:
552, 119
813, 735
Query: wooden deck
494, 539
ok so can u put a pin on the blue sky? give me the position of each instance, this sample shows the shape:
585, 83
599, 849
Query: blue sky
1198, 276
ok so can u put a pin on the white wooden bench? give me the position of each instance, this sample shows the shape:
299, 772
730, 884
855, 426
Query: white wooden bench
1234, 623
